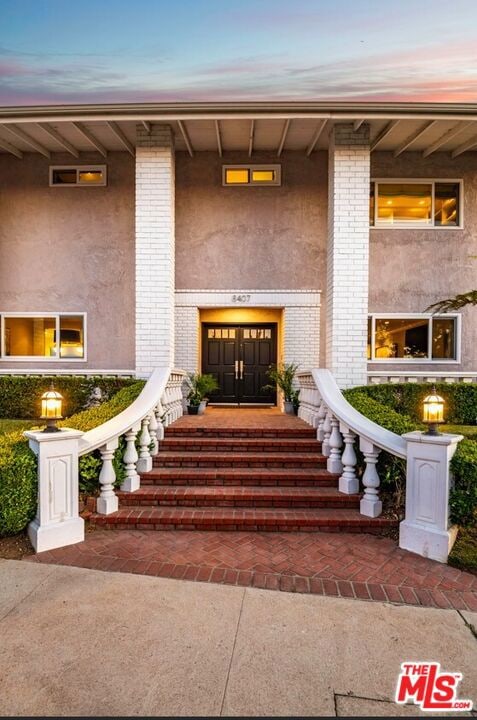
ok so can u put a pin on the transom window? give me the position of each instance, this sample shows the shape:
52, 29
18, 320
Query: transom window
77, 175
53, 336
415, 203
251, 174
413, 337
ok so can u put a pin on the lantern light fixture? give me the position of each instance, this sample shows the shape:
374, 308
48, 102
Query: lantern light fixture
433, 412
51, 402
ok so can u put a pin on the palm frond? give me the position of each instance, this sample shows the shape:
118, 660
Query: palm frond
455, 303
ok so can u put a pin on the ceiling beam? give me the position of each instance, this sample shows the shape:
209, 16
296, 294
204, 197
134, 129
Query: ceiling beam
283, 137
88, 135
22, 135
316, 136
357, 124
59, 139
467, 145
10, 148
114, 127
449, 135
383, 134
147, 126
251, 138
185, 135
412, 138
219, 139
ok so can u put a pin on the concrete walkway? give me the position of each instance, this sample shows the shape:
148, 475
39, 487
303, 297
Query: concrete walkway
84, 642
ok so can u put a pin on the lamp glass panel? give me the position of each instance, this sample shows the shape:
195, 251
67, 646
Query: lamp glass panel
237, 176
404, 204
401, 338
71, 337
30, 337
446, 204
443, 339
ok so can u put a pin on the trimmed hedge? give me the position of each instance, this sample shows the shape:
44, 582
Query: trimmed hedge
406, 398
18, 467
463, 498
20, 395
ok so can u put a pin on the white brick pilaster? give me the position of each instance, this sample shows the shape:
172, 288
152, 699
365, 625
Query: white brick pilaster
348, 254
155, 253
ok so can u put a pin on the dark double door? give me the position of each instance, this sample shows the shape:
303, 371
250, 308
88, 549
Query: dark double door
238, 356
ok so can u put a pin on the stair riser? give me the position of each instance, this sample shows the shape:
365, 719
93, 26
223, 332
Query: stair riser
305, 434
211, 502
244, 462
235, 445
238, 482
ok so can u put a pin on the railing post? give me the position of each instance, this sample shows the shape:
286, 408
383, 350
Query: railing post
370, 505
57, 522
348, 482
107, 502
132, 480
334, 464
425, 529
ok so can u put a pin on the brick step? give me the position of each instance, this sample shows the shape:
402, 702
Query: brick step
244, 432
264, 477
236, 459
278, 520
271, 497
233, 444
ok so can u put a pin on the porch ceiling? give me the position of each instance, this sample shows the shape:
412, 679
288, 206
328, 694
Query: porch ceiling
246, 127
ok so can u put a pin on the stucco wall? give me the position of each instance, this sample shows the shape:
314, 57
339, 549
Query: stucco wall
410, 269
70, 249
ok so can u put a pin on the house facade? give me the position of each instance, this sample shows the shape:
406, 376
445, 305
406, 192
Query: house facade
224, 238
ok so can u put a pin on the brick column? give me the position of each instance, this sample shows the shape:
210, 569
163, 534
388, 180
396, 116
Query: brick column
348, 254
155, 253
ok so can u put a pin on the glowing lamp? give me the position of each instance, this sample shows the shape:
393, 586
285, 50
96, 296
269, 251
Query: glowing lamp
51, 409
433, 412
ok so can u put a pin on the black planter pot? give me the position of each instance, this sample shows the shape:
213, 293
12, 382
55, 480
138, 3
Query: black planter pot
192, 409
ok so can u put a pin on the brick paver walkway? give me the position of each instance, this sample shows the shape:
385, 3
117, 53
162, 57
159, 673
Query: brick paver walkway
362, 566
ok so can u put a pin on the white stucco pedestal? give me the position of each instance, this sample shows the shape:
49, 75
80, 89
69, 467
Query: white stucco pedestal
426, 529
57, 521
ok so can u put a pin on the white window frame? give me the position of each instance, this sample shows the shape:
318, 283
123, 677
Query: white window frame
277, 169
41, 358
417, 316
381, 224
79, 168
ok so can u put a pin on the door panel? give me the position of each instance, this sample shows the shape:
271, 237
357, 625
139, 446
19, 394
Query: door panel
226, 349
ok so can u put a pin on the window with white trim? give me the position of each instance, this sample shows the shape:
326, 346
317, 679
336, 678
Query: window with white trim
415, 203
48, 336
236, 175
416, 338
78, 175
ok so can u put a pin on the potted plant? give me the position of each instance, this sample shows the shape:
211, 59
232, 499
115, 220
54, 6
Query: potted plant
296, 401
200, 387
283, 375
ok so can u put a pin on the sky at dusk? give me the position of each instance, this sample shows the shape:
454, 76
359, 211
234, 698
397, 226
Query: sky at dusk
70, 51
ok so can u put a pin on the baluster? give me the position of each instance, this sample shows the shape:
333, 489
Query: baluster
334, 464
320, 434
153, 426
107, 502
348, 482
132, 480
315, 401
144, 464
159, 411
370, 505
325, 446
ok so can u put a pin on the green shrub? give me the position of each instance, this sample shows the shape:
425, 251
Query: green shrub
18, 467
463, 497
464, 553
20, 395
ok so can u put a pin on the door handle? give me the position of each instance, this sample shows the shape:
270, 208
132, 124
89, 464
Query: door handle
236, 369
241, 369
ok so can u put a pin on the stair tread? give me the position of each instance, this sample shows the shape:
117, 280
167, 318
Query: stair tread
238, 491
240, 441
211, 454
231, 471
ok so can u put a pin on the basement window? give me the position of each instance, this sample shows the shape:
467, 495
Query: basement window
52, 336
417, 338
78, 175
251, 175
415, 203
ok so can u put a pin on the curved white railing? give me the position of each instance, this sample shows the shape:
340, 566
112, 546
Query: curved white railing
158, 405
338, 425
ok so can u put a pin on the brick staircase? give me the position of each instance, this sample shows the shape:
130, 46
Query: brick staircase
240, 478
